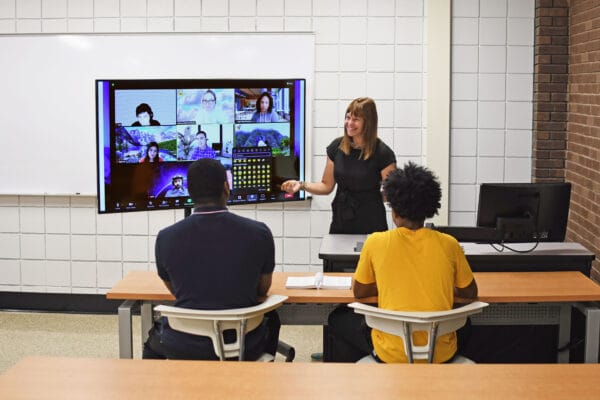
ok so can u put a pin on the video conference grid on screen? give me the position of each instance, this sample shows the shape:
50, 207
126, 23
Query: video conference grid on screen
149, 131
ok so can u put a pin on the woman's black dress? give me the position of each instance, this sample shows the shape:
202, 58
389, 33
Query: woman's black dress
358, 206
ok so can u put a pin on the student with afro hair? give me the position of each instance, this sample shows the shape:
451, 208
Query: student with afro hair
410, 268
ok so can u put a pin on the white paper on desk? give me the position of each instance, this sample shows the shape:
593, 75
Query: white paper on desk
312, 282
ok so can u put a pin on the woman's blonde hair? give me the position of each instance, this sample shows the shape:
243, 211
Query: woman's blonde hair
362, 107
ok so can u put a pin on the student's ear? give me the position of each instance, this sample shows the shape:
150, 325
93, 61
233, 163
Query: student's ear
226, 189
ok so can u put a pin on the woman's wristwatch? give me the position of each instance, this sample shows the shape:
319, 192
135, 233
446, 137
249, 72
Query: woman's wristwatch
302, 185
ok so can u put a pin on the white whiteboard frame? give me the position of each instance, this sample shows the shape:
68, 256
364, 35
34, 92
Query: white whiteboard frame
48, 92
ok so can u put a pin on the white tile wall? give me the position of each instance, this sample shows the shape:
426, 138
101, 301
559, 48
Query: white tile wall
521, 9
57, 220
463, 142
518, 87
409, 30
465, 31
463, 170
163, 8
58, 274
10, 219
10, 272
353, 57
298, 24
492, 87
517, 169
492, 31
491, 114
492, 40
492, 59
58, 247
353, 30
490, 142
296, 7
519, 59
109, 247
325, 7
33, 272
380, 58
464, 86
465, 8
54, 8
106, 8
363, 47
83, 275
353, 7
492, 8
83, 247
32, 246
32, 219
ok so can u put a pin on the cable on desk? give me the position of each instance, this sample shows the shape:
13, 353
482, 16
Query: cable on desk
501, 246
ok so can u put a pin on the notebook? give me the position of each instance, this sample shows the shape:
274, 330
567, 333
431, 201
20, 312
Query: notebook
318, 281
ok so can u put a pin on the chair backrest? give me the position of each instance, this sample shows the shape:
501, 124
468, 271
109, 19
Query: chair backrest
212, 323
405, 323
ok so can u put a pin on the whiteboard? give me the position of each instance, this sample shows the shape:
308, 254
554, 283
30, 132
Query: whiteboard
47, 92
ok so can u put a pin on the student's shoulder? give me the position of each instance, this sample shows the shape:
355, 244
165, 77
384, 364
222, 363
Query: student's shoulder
377, 239
249, 225
174, 229
447, 241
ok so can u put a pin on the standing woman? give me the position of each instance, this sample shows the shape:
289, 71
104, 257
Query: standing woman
357, 162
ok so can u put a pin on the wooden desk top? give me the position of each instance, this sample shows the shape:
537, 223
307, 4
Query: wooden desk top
494, 287
74, 378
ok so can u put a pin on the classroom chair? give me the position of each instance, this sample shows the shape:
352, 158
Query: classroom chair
405, 323
212, 323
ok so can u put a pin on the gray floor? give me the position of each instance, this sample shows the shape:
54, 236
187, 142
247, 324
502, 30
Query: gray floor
90, 335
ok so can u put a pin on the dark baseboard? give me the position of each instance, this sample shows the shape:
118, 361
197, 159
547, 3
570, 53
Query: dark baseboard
58, 302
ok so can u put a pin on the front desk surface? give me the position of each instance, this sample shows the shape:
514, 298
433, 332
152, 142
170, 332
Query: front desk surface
105, 379
340, 254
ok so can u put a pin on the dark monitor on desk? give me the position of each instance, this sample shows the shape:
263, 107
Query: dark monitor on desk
525, 212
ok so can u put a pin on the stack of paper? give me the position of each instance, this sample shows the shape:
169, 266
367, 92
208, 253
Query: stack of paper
318, 281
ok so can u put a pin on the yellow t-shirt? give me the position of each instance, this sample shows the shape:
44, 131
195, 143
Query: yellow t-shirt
414, 271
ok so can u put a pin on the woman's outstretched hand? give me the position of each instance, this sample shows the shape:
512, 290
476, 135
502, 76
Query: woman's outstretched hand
290, 186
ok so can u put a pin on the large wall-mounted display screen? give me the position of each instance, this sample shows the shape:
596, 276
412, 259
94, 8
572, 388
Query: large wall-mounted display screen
149, 131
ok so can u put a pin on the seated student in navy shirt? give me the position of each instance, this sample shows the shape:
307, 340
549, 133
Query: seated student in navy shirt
213, 259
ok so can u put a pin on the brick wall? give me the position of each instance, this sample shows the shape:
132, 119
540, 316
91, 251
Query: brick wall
550, 87
583, 145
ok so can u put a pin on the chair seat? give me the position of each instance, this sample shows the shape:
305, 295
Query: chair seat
212, 324
404, 323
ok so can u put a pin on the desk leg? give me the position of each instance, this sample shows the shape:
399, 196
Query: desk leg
592, 330
125, 331
147, 319
564, 332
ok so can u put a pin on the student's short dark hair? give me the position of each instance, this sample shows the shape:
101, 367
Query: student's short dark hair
413, 192
205, 179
